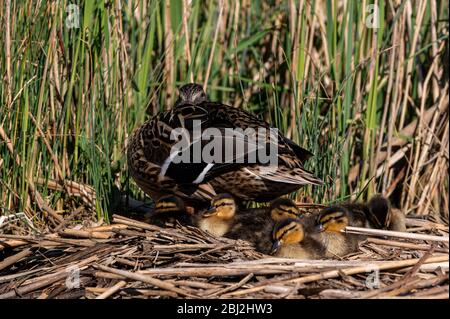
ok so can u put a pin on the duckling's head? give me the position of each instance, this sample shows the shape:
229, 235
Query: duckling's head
191, 93
332, 219
379, 207
283, 208
169, 204
286, 232
223, 206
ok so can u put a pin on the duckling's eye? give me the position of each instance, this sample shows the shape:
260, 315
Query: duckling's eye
222, 205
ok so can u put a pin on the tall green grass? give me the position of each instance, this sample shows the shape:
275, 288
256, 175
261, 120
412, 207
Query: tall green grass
70, 97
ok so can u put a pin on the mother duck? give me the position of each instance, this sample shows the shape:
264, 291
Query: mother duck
152, 156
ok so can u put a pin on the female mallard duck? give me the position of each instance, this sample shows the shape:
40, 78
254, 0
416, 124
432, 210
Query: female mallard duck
159, 166
169, 209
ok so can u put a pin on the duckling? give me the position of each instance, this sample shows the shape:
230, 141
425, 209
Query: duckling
291, 240
372, 214
384, 215
327, 231
255, 225
219, 218
359, 215
396, 220
169, 209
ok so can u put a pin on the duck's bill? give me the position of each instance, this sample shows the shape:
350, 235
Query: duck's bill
276, 245
210, 212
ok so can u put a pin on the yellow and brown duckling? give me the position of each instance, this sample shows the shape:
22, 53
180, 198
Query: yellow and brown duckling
315, 237
255, 225
220, 217
327, 230
290, 239
170, 209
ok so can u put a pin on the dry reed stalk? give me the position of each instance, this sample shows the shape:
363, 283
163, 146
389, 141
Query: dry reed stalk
390, 233
185, 17
44, 281
169, 72
82, 243
404, 245
107, 228
8, 278
8, 76
432, 267
11, 260
85, 234
406, 283
408, 130
11, 243
418, 21
147, 279
111, 291
336, 273
232, 287
68, 219
216, 33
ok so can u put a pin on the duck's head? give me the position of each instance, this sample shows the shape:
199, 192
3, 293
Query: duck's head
191, 93
223, 206
332, 219
287, 231
169, 204
283, 208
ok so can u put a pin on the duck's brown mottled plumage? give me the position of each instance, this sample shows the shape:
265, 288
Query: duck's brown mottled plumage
150, 147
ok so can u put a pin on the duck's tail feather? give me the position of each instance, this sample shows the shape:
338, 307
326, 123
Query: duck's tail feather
299, 176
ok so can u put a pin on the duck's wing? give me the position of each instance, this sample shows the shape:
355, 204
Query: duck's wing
148, 150
239, 118
202, 150
223, 126
284, 174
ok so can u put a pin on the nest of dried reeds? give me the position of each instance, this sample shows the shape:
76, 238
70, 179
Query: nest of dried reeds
133, 259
